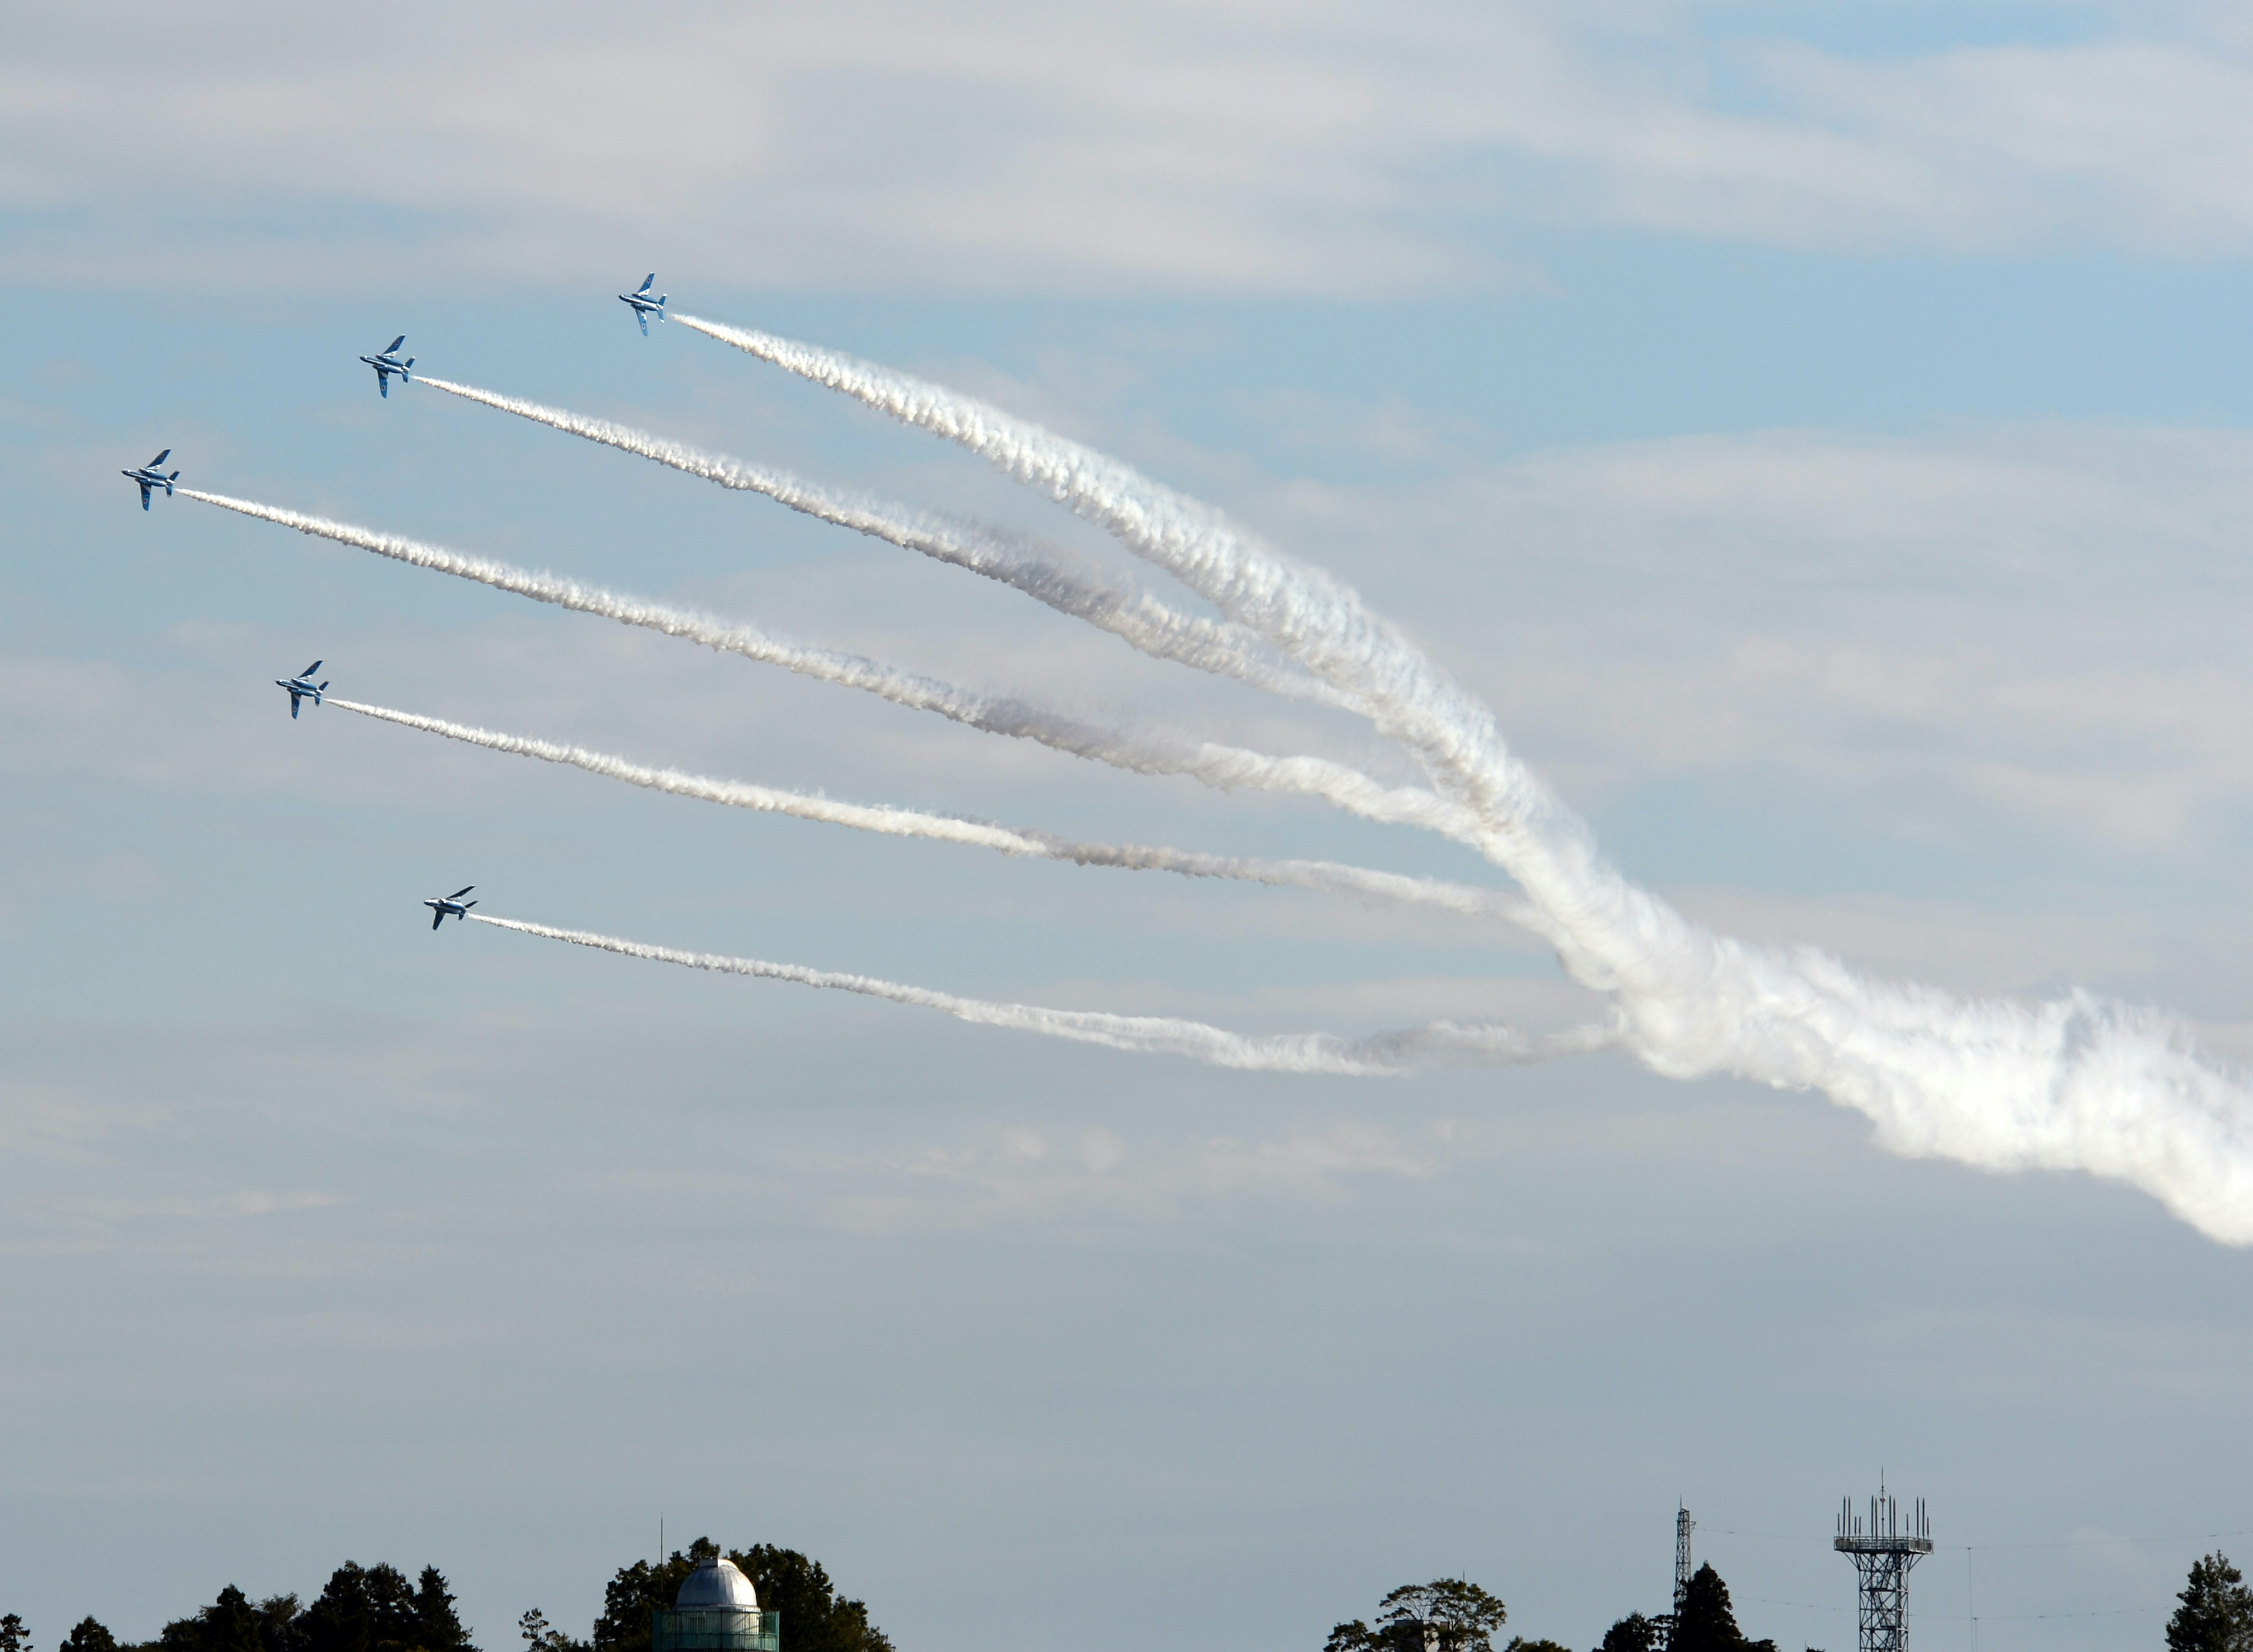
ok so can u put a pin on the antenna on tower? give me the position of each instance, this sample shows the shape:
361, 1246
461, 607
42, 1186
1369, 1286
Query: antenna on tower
1882, 1553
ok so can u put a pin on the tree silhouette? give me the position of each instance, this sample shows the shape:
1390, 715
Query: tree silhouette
1447, 1615
90, 1637
1633, 1633
2216, 1614
1705, 1620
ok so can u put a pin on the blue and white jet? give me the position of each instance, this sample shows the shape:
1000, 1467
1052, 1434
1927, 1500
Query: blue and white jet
386, 362
642, 304
302, 687
452, 903
151, 478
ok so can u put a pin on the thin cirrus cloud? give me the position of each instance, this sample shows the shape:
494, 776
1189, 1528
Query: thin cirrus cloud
1969, 635
1240, 147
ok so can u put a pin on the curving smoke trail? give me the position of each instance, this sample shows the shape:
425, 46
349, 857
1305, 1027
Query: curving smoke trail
1135, 618
1333, 877
1226, 767
1457, 1043
2076, 1082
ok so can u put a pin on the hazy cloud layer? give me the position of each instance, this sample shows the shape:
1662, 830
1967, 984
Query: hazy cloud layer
1017, 147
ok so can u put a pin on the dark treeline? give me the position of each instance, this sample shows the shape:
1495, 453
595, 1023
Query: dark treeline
376, 1609
1451, 1615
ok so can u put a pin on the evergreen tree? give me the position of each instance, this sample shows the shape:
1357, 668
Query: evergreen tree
2216, 1614
436, 1626
538, 1637
14, 1637
1706, 1622
90, 1637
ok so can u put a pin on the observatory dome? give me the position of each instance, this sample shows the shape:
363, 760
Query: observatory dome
719, 1583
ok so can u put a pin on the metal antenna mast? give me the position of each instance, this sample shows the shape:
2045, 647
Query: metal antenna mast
1681, 1528
1883, 1551
1666, 1625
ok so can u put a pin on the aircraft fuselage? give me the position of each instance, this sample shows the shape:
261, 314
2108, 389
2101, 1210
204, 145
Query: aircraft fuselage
386, 362
151, 478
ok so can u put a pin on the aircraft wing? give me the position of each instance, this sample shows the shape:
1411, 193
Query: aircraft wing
144, 496
293, 705
383, 383
437, 919
642, 315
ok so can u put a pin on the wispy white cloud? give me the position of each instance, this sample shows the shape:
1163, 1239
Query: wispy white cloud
1014, 146
1092, 1175
2036, 627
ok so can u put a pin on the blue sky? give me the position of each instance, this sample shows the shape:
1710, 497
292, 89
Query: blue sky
1821, 435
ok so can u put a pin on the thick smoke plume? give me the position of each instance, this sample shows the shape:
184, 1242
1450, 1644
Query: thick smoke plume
1440, 1043
1135, 618
1227, 768
2076, 1082
1363, 882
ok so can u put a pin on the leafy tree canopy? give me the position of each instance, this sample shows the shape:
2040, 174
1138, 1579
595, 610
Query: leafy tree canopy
90, 1637
2216, 1614
229, 1624
1519, 1643
638, 1590
1447, 1615
1633, 1633
815, 1618
363, 1609
14, 1637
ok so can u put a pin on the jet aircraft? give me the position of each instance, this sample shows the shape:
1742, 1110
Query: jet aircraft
301, 686
642, 304
151, 478
452, 903
386, 362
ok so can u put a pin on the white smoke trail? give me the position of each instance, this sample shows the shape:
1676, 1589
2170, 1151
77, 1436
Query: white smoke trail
1363, 882
1226, 767
1135, 617
1448, 1042
2076, 1083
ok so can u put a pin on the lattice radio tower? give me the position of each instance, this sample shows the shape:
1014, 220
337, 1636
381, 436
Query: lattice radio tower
1683, 1526
1883, 1551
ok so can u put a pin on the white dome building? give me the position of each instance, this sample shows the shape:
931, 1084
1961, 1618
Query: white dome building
715, 1610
